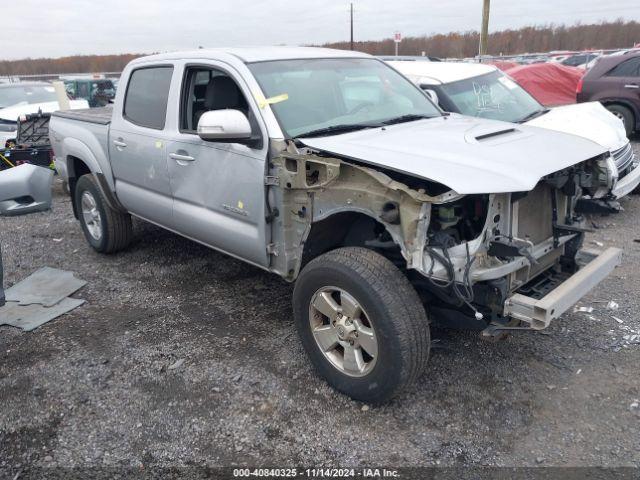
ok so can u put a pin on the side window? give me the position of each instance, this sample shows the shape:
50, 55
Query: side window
628, 68
206, 89
145, 103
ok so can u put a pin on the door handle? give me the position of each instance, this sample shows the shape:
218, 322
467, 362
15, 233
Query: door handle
119, 143
632, 85
181, 158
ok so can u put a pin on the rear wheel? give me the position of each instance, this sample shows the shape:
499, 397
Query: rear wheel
362, 323
107, 230
624, 114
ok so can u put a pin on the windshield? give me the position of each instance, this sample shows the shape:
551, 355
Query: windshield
312, 94
17, 94
494, 96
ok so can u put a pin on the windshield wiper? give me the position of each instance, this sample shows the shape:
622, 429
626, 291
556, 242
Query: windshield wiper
411, 117
335, 129
534, 114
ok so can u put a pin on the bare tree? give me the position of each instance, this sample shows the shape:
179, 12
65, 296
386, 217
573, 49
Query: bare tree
542, 38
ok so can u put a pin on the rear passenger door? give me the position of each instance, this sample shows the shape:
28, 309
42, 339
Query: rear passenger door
627, 75
137, 145
218, 187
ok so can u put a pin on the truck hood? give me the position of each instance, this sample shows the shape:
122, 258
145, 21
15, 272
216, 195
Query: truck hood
12, 113
589, 120
466, 154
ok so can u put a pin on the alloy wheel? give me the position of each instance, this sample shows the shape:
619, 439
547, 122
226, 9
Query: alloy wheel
91, 215
343, 331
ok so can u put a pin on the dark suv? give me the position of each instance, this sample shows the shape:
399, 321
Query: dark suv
615, 82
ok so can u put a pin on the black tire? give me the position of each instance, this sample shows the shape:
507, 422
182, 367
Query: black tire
625, 115
393, 307
116, 227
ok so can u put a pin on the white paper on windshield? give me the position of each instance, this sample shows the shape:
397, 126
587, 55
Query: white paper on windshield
507, 82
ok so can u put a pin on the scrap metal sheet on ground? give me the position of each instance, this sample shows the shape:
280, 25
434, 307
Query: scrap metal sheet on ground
47, 286
40, 298
30, 317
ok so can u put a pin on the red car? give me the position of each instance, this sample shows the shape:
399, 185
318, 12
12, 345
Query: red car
615, 82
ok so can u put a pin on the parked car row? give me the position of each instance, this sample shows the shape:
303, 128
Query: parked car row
578, 59
332, 170
611, 78
480, 90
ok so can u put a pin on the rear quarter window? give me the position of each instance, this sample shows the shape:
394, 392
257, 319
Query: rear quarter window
147, 95
628, 68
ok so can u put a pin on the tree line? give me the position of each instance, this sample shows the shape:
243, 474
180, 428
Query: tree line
545, 38
534, 39
73, 64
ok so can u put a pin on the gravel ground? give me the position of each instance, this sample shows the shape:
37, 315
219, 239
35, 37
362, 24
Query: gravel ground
183, 356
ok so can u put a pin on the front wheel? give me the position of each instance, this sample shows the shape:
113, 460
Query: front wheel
361, 323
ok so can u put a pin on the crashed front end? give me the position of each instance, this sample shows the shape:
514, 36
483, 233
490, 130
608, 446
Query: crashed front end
486, 261
527, 264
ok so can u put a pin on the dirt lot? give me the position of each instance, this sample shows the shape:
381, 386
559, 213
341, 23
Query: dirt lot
96, 387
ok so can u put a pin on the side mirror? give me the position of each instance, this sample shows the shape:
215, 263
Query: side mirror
432, 95
25, 189
224, 126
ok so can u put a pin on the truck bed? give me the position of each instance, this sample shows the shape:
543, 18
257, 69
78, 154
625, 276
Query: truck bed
101, 116
88, 131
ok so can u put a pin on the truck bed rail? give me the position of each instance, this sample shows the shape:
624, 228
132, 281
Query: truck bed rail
101, 116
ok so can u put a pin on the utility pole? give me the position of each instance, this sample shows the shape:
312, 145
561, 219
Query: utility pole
352, 26
484, 32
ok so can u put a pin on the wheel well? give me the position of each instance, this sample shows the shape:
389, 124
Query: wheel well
79, 168
76, 169
626, 105
350, 229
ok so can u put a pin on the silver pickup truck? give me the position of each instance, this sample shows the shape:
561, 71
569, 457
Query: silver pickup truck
331, 169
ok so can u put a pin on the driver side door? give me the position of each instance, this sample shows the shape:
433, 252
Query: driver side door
218, 187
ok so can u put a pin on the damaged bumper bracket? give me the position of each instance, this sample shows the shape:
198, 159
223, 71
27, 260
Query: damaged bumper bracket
538, 313
627, 184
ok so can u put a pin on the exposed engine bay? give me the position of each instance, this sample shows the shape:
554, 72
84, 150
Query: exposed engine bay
466, 255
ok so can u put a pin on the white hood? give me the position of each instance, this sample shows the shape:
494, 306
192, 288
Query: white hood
12, 113
589, 120
468, 155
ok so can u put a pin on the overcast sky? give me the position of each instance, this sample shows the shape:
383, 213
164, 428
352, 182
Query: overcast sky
38, 29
